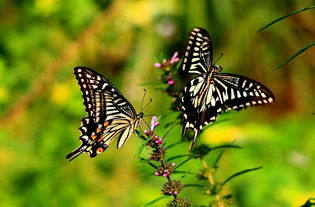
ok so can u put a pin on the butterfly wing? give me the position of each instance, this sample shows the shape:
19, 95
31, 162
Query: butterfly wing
239, 92
109, 113
203, 102
199, 52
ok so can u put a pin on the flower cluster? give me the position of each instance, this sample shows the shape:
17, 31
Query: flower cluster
179, 202
164, 169
166, 66
172, 188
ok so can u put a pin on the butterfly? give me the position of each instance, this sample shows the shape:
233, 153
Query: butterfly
108, 114
210, 92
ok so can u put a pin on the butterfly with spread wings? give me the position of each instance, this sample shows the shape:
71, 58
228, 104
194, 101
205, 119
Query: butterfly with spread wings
211, 92
108, 114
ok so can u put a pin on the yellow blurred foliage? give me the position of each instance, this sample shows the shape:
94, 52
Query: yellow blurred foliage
60, 93
46, 6
220, 135
3, 94
139, 12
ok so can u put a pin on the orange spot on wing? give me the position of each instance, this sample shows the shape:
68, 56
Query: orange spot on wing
106, 124
99, 130
99, 150
93, 137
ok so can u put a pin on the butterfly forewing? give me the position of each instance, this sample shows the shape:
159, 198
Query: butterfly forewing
198, 54
109, 114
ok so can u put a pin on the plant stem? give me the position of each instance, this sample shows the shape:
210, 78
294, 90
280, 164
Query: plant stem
211, 182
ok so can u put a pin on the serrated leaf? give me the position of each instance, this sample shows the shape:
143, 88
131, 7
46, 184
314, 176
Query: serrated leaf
285, 16
240, 173
155, 201
295, 55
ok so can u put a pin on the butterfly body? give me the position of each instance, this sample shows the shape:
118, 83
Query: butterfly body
210, 93
109, 114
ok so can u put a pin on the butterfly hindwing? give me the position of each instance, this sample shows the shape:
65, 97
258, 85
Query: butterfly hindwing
240, 92
109, 114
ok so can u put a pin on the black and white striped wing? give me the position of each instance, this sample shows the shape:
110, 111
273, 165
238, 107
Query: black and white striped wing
198, 55
238, 92
109, 114
202, 103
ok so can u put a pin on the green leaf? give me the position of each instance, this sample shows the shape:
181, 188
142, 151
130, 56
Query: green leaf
140, 135
184, 172
184, 162
155, 200
214, 165
174, 144
178, 64
224, 146
285, 16
141, 148
240, 173
170, 127
195, 185
177, 156
147, 161
294, 56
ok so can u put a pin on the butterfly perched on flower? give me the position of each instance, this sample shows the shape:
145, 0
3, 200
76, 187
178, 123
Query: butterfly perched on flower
210, 92
108, 114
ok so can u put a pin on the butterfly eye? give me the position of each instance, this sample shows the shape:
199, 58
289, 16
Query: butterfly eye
217, 68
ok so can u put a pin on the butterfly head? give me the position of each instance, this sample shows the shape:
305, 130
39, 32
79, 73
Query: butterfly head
140, 115
217, 68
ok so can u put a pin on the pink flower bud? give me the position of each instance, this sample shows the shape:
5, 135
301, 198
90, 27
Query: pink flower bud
164, 62
157, 174
157, 65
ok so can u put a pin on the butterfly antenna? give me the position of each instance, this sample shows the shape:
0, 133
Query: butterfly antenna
144, 93
147, 104
215, 62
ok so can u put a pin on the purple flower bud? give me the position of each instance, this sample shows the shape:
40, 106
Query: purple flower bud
146, 132
166, 173
170, 80
157, 174
174, 58
157, 65
175, 193
154, 123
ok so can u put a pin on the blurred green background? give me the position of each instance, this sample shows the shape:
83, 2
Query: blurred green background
41, 105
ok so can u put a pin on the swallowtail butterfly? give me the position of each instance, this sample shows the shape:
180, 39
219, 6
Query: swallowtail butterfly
108, 114
211, 92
